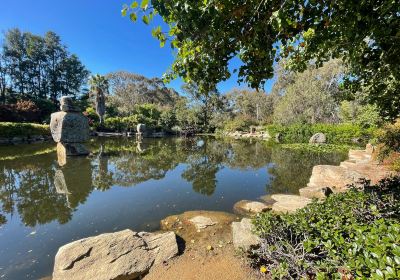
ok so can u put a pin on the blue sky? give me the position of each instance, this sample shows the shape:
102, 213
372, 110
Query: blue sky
96, 32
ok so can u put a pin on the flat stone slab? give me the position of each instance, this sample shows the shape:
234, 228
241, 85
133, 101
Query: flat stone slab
120, 255
250, 207
202, 222
360, 156
243, 236
287, 203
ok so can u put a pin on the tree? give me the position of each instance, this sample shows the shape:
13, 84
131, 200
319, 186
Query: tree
309, 97
208, 34
129, 89
208, 103
255, 105
98, 88
36, 67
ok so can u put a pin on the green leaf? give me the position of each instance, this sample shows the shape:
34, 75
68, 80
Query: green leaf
133, 17
123, 11
144, 4
134, 4
145, 19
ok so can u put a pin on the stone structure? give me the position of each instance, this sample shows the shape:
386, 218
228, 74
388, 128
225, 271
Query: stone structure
120, 255
70, 129
318, 138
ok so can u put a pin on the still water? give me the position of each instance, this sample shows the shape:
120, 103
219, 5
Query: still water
125, 184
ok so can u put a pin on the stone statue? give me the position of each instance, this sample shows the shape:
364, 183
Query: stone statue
70, 129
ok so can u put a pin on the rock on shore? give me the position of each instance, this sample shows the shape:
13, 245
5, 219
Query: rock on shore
120, 255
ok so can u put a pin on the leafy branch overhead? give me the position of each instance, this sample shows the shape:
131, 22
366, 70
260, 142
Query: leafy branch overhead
209, 33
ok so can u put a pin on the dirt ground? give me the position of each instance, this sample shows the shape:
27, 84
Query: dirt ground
206, 254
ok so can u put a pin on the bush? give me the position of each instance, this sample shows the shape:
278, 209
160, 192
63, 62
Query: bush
335, 133
352, 235
121, 124
9, 129
389, 140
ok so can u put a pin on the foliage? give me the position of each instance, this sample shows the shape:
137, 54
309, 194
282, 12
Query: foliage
33, 66
257, 105
129, 89
352, 234
208, 34
308, 97
239, 123
365, 116
10, 129
335, 133
389, 140
326, 148
208, 104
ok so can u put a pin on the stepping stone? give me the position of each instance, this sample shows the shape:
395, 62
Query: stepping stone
202, 222
250, 207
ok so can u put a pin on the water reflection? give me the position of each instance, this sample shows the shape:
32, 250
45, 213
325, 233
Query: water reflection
41, 191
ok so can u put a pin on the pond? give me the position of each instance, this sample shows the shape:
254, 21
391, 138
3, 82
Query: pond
125, 184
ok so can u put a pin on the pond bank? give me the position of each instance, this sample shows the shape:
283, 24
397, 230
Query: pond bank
209, 249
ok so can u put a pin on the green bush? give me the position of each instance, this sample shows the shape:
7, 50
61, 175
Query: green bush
335, 133
121, 124
10, 129
352, 235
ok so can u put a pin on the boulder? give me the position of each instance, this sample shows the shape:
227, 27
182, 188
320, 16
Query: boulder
288, 203
250, 207
360, 156
315, 192
121, 255
69, 127
318, 138
337, 178
243, 236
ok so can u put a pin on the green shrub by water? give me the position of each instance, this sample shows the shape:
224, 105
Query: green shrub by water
335, 133
10, 129
352, 235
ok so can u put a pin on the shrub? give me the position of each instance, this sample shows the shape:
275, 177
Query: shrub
389, 140
121, 124
9, 129
349, 235
335, 133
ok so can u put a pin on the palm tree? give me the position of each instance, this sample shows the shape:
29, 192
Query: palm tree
98, 88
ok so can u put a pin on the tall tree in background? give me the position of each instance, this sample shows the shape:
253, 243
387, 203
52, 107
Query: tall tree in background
99, 87
130, 89
32, 66
208, 34
310, 96
209, 102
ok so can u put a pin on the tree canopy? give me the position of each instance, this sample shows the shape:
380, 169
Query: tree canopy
208, 34
33, 66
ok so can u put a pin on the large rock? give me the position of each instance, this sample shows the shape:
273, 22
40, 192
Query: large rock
250, 207
69, 127
287, 203
318, 138
243, 236
120, 255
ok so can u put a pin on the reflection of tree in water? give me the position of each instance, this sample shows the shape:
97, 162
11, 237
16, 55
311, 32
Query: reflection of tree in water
292, 169
246, 155
102, 177
203, 165
26, 185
